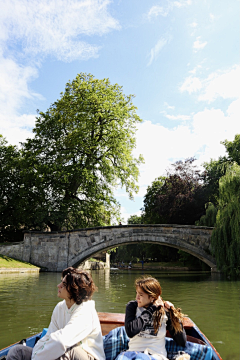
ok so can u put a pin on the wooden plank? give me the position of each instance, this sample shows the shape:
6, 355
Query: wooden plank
110, 321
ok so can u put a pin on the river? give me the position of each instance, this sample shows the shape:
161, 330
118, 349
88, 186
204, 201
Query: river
213, 303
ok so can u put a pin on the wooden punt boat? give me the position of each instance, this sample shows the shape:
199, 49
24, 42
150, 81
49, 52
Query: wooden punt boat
110, 321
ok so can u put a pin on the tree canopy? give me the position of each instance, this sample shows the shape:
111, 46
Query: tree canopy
215, 169
81, 151
226, 233
177, 198
10, 190
221, 180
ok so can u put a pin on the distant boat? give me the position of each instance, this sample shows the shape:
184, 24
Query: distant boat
110, 321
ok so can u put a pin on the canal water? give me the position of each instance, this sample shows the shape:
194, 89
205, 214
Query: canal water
213, 303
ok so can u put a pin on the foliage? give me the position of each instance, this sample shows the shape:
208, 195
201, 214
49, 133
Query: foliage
81, 150
150, 215
215, 169
134, 219
209, 218
233, 149
178, 198
226, 234
192, 261
140, 251
144, 251
11, 187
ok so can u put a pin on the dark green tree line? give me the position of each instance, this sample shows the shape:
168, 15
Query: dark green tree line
222, 178
177, 198
226, 233
11, 187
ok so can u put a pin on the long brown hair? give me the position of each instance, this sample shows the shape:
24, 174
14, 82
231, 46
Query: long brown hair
152, 287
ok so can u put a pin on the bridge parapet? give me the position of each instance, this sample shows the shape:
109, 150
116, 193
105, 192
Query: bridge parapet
58, 250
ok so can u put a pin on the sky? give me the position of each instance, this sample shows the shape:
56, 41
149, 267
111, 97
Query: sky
179, 58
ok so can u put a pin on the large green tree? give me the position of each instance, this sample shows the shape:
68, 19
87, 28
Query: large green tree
82, 149
226, 233
178, 198
11, 187
214, 171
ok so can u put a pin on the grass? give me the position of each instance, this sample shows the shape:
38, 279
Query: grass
95, 260
10, 263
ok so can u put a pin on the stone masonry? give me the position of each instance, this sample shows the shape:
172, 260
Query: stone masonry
55, 251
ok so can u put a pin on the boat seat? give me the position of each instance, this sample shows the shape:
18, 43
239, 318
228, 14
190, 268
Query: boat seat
116, 341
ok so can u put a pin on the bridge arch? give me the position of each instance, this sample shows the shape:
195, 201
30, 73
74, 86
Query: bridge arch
194, 240
58, 250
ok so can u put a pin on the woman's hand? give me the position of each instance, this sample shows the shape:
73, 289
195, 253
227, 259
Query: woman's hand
158, 302
168, 304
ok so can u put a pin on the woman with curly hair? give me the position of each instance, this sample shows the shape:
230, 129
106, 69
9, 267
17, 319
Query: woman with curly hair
149, 317
74, 332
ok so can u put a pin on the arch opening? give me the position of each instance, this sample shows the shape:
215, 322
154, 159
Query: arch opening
201, 261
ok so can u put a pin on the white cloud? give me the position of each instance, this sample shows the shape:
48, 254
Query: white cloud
14, 91
201, 137
222, 84
194, 24
14, 81
31, 30
157, 48
178, 117
198, 44
191, 84
194, 70
182, 3
169, 106
54, 27
212, 17
212, 126
160, 147
234, 109
17, 129
157, 10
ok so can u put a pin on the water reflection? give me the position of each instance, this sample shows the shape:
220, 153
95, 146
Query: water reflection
211, 302
27, 301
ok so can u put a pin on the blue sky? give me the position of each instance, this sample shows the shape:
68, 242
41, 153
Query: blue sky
179, 58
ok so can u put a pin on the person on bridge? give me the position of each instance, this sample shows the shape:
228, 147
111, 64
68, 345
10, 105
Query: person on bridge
74, 332
149, 317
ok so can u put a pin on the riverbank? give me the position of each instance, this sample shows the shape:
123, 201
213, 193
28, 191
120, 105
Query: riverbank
10, 265
178, 266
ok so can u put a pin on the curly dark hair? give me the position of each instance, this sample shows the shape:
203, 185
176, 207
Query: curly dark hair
79, 284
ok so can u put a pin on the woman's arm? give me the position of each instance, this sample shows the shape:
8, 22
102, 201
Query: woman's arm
133, 324
55, 343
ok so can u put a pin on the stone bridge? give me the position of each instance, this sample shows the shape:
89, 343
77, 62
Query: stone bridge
55, 251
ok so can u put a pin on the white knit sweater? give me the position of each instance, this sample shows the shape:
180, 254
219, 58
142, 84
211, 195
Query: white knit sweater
77, 325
